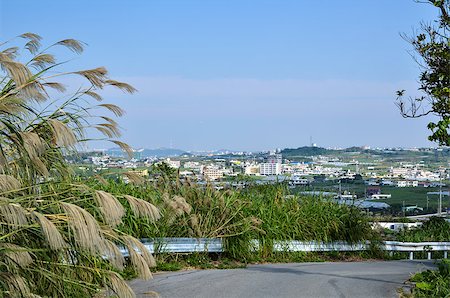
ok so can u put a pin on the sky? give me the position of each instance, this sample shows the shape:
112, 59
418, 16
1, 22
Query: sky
244, 74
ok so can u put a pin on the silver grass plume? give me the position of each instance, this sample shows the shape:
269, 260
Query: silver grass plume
15, 70
13, 214
31, 36
17, 286
72, 44
110, 120
108, 130
140, 265
16, 255
11, 105
101, 179
114, 255
33, 46
85, 228
33, 143
11, 52
116, 110
178, 204
21, 76
116, 283
134, 177
122, 86
142, 208
40, 166
182, 204
145, 253
8, 183
111, 209
94, 95
56, 86
51, 233
194, 219
96, 76
124, 147
33, 43
42, 61
63, 135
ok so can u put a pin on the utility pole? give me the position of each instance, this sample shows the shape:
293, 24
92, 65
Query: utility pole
404, 209
440, 193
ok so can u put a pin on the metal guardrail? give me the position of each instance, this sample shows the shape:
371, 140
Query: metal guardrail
306, 246
412, 247
180, 245
215, 245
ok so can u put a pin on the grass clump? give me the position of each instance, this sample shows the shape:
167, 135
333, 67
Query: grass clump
433, 283
266, 213
434, 229
58, 236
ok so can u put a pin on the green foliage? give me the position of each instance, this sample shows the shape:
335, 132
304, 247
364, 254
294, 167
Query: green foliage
435, 229
266, 213
433, 283
304, 151
433, 48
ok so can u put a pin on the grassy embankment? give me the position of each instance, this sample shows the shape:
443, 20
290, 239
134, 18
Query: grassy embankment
265, 213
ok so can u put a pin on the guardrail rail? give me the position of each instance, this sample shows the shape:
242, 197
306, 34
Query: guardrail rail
216, 245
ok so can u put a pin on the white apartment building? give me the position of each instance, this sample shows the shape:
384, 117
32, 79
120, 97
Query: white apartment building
270, 169
212, 173
173, 163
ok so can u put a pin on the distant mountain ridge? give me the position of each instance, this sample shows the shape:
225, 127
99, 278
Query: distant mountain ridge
143, 153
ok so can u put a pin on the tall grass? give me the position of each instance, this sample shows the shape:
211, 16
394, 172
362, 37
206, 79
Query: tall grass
433, 283
265, 213
58, 237
434, 229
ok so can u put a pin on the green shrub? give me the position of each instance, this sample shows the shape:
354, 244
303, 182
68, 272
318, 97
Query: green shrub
433, 283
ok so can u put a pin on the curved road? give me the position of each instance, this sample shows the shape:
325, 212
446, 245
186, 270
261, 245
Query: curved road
337, 279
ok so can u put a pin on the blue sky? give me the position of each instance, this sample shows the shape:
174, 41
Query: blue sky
242, 74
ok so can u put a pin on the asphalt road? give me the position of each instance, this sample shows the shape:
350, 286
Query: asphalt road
337, 279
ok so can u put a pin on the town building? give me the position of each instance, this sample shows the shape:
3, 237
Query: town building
211, 173
270, 169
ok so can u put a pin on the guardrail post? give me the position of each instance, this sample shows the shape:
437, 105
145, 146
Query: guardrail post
411, 255
429, 255
445, 254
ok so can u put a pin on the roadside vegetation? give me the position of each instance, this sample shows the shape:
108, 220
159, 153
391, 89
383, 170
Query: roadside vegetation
433, 283
265, 213
435, 229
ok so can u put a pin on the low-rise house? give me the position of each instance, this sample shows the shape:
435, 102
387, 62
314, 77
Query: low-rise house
407, 183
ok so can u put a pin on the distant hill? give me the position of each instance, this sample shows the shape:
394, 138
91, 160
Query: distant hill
162, 152
304, 151
159, 152
215, 152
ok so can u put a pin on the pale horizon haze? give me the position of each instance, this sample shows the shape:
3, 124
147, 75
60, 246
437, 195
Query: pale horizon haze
244, 75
